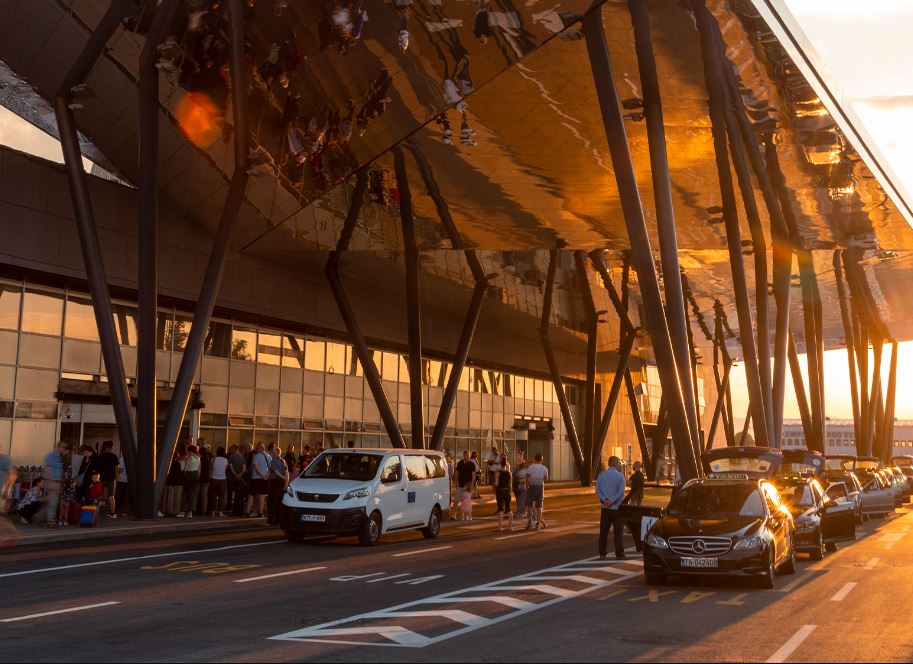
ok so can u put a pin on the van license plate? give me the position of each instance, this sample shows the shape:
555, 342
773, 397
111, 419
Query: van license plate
312, 517
700, 562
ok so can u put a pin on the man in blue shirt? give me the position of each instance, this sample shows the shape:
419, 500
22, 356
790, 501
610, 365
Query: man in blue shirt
610, 489
53, 474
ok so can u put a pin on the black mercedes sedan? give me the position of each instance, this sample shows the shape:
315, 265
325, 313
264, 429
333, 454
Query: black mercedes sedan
733, 525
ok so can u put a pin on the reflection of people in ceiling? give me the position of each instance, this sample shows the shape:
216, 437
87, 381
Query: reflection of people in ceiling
342, 25
403, 9
482, 24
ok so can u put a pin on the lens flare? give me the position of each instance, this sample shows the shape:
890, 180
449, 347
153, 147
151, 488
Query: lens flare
199, 118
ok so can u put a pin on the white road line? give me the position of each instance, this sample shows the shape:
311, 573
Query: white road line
270, 576
546, 531
889, 545
871, 564
843, 592
392, 576
54, 613
794, 642
421, 551
131, 558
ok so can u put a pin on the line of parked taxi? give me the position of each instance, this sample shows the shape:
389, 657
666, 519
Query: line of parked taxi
756, 508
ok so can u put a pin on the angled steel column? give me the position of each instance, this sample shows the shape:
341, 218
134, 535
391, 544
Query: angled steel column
850, 341
475, 303
807, 276
862, 357
88, 235
641, 252
624, 354
638, 422
212, 279
799, 387
878, 442
582, 464
874, 391
589, 400
147, 270
722, 386
745, 427
665, 212
890, 402
413, 300
365, 356
717, 99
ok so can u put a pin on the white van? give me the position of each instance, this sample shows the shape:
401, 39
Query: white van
367, 492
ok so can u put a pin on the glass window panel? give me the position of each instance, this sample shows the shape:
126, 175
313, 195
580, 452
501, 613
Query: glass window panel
292, 351
28, 410
336, 358
36, 385
42, 312
240, 436
218, 342
7, 381
403, 368
389, 366
163, 325
215, 371
10, 299
465, 379
539, 390
518, 387
244, 344
353, 366
80, 320
213, 419
180, 330
287, 438
242, 374
267, 377
529, 388
6, 410
215, 437
494, 379
9, 342
314, 355
39, 351
124, 324
269, 348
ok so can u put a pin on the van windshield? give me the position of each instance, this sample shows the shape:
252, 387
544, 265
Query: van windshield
357, 467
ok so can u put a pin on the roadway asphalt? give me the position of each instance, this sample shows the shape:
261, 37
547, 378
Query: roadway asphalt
473, 594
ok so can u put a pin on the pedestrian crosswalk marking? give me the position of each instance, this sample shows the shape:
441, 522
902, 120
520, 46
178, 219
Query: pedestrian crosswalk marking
506, 599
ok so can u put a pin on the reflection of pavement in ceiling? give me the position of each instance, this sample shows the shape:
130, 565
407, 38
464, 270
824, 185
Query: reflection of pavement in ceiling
540, 173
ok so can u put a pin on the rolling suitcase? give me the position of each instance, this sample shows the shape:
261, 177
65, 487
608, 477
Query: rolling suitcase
89, 516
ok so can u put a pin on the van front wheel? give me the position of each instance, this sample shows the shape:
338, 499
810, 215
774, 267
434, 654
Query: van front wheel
434, 524
370, 531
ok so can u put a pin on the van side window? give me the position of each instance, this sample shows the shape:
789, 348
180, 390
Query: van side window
415, 467
392, 472
436, 467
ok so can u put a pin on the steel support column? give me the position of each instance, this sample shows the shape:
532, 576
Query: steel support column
147, 264
850, 340
722, 386
624, 355
475, 303
890, 402
589, 442
638, 422
799, 388
639, 238
814, 360
212, 279
862, 358
874, 390
413, 300
365, 356
88, 235
665, 211
580, 461
717, 101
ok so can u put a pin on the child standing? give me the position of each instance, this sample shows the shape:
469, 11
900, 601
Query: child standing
466, 506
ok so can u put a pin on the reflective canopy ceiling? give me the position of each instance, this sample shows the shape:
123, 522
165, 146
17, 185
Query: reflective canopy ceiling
524, 165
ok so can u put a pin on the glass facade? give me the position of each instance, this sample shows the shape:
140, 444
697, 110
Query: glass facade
256, 384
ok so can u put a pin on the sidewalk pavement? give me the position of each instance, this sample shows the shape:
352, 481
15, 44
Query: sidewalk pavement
13, 533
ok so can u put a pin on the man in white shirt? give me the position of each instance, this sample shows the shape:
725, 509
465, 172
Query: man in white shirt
536, 475
259, 476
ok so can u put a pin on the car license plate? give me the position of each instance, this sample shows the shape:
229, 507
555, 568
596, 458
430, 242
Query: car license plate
700, 562
312, 517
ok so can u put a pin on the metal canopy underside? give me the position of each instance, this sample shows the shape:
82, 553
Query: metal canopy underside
540, 175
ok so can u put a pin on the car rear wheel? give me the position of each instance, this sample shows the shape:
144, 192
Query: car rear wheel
830, 547
370, 531
434, 524
818, 553
654, 578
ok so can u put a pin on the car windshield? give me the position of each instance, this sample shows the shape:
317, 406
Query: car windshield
717, 501
353, 466
799, 496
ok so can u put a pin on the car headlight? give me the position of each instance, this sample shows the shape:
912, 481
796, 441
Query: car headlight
360, 492
657, 541
290, 492
754, 542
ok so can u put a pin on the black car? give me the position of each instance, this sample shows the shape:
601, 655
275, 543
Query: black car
733, 523
820, 522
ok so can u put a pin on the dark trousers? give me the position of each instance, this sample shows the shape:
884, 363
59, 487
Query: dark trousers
274, 501
122, 498
610, 519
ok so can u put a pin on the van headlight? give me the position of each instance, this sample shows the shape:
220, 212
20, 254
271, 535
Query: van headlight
361, 492
656, 541
754, 542
290, 492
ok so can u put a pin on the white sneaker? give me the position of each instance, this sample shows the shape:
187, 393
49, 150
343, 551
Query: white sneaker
189, 515
160, 513
181, 515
